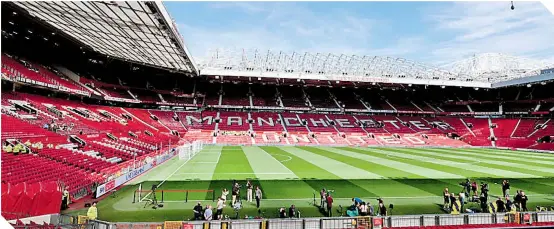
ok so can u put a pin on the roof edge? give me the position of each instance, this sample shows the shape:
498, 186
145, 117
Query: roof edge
175, 33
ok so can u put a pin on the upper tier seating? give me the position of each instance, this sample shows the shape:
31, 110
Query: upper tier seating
292, 97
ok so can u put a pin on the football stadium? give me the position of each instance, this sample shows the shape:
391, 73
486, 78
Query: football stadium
109, 121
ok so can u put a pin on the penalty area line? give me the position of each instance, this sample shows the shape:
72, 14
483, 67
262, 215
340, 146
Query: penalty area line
170, 175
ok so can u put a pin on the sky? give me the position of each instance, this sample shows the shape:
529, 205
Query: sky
435, 33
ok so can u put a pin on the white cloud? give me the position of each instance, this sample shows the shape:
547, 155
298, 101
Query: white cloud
481, 27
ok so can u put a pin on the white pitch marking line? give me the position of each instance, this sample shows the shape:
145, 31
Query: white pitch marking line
170, 175
218, 157
447, 163
234, 173
289, 157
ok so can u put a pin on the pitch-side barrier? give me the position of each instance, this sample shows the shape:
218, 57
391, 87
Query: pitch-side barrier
480, 220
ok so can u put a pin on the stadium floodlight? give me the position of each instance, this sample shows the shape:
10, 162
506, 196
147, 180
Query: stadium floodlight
443, 86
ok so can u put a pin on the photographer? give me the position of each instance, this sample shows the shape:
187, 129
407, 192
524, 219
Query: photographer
474, 188
510, 206
292, 211
235, 192
485, 190
506, 188
467, 187
483, 202
517, 199
446, 196
500, 205
197, 211
523, 202
282, 213
382, 209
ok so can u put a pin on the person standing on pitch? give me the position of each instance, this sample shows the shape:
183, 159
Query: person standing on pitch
506, 188
249, 191
523, 202
235, 193
219, 211
224, 194
323, 195
208, 213
197, 211
329, 205
258, 196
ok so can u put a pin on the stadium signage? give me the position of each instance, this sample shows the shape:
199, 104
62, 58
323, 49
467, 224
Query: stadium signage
133, 173
110, 185
321, 121
121, 99
177, 104
328, 109
53, 86
357, 110
470, 113
517, 112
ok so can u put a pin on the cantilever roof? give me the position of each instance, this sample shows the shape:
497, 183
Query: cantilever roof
139, 32
328, 66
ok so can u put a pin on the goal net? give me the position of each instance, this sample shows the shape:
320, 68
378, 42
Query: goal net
187, 151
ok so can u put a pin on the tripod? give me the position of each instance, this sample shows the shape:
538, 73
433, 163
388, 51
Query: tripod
153, 201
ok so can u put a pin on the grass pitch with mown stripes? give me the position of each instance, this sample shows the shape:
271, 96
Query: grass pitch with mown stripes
411, 179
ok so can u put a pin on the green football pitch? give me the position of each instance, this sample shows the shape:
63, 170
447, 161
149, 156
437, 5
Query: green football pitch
410, 178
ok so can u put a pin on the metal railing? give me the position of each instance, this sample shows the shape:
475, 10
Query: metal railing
342, 222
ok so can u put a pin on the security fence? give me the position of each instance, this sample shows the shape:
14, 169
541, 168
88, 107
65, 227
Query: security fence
340, 222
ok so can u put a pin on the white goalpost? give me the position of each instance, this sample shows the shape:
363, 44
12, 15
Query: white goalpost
187, 151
